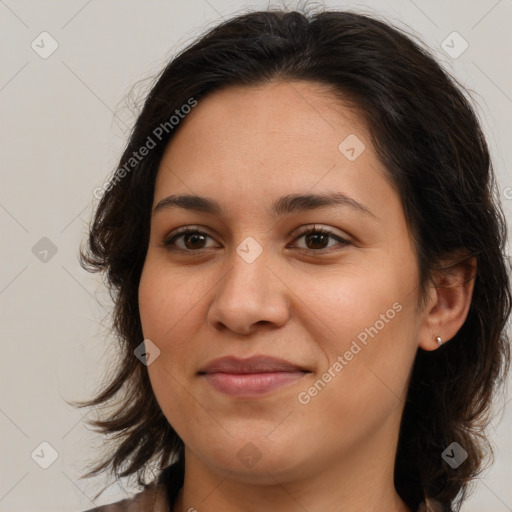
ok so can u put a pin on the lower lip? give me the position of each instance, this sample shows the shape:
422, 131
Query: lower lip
245, 385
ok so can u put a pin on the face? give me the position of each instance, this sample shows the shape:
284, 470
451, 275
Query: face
287, 328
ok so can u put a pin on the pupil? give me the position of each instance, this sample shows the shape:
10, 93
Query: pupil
192, 236
317, 237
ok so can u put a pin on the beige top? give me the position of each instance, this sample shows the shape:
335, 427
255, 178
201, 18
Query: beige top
153, 499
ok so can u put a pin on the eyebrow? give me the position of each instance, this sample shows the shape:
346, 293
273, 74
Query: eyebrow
291, 203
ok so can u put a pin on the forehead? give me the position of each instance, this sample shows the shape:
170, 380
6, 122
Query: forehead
259, 142
262, 117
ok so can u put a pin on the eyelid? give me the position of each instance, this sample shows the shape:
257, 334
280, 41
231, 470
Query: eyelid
318, 227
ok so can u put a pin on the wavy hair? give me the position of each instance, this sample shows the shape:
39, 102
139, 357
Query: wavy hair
427, 135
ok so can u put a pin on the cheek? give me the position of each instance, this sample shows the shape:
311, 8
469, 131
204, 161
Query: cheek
350, 303
160, 310
169, 305
370, 321
166, 298
150, 301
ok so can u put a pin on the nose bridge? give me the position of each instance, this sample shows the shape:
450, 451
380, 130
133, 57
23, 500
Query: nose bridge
248, 263
249, 268
249, 293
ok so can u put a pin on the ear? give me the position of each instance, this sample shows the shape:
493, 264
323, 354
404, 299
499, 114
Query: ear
449, 299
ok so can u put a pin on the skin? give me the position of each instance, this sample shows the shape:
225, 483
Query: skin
246, 147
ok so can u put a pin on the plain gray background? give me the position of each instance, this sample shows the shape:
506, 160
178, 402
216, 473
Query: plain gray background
63, 129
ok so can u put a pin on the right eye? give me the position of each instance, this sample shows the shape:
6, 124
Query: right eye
190, 240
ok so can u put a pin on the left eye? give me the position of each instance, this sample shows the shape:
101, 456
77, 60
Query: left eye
319, 236
193, 240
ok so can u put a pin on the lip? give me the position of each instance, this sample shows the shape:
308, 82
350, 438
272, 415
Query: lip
251, 377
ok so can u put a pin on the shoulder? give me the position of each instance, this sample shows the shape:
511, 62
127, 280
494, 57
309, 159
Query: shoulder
157, 497
152, 499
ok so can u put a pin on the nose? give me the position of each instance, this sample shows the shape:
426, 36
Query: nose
250, 294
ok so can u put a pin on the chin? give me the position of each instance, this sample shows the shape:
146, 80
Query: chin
256, 460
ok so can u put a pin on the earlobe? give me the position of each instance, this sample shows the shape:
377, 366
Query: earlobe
449, 303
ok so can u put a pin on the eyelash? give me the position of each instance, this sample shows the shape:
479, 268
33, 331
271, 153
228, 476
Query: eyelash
168, 243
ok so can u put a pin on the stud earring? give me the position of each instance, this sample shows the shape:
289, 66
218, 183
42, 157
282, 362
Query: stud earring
439, 340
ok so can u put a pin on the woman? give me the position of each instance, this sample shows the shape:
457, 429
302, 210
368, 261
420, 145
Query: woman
306, 255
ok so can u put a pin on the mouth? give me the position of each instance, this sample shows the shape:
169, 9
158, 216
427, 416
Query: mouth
252, 377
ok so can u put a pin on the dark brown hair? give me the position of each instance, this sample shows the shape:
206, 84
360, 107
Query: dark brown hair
429, 139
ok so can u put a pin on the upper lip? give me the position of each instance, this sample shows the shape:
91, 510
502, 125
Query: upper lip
254, 364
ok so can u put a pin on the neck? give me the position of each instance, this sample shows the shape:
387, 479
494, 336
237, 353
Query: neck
360, 481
